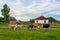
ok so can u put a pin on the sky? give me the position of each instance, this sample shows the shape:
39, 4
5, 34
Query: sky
28, 9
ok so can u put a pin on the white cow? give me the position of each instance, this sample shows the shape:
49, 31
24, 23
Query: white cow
15, 26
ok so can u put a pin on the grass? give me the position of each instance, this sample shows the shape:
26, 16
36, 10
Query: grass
55, 26
25, 34
26, 25
3, 24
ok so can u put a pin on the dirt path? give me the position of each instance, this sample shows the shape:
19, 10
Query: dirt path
50, 28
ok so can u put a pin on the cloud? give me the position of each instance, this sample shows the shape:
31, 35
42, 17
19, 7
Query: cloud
17, 11
23, 18
45, 6
1, 2
35, 7
19, 15
20, 9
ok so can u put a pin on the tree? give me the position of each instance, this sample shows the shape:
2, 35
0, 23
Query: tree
59, 22
32, 20
5, 12
50, 19
1, 19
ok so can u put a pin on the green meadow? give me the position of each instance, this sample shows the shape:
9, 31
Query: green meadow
26, 34
26, 25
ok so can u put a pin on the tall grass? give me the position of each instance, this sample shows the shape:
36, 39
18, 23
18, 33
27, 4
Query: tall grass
26, 34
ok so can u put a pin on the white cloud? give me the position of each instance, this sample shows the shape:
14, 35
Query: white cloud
23, 18
1, 16
35, 7
46, 5
19, 15
18, 10
1, 2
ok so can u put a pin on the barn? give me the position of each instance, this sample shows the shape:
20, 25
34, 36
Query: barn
41, 20
12, 20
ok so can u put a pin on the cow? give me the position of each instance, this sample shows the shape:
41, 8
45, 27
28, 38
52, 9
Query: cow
33, 26
15, 26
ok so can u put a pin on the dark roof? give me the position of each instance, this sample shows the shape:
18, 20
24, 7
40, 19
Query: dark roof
19, 21
12, 19
41, 18
55, 21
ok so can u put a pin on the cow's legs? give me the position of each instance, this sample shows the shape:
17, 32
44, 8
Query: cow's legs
15, 27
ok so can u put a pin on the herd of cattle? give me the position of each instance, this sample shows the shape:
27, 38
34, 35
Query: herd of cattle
31, 26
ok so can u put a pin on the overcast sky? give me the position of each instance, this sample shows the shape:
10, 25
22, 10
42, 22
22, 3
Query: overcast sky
26, 9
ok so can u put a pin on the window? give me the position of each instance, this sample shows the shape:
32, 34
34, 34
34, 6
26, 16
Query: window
37, 21
44, 21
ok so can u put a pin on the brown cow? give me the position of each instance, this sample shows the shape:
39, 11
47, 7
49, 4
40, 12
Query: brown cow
34, 25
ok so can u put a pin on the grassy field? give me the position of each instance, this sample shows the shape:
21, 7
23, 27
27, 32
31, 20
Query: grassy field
26, 25
5, 24
25, 34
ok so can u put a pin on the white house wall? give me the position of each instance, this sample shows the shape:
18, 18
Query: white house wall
41, 21
47, 21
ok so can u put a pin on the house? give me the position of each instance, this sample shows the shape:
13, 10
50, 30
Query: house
12, 22
41, 20
55, 22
